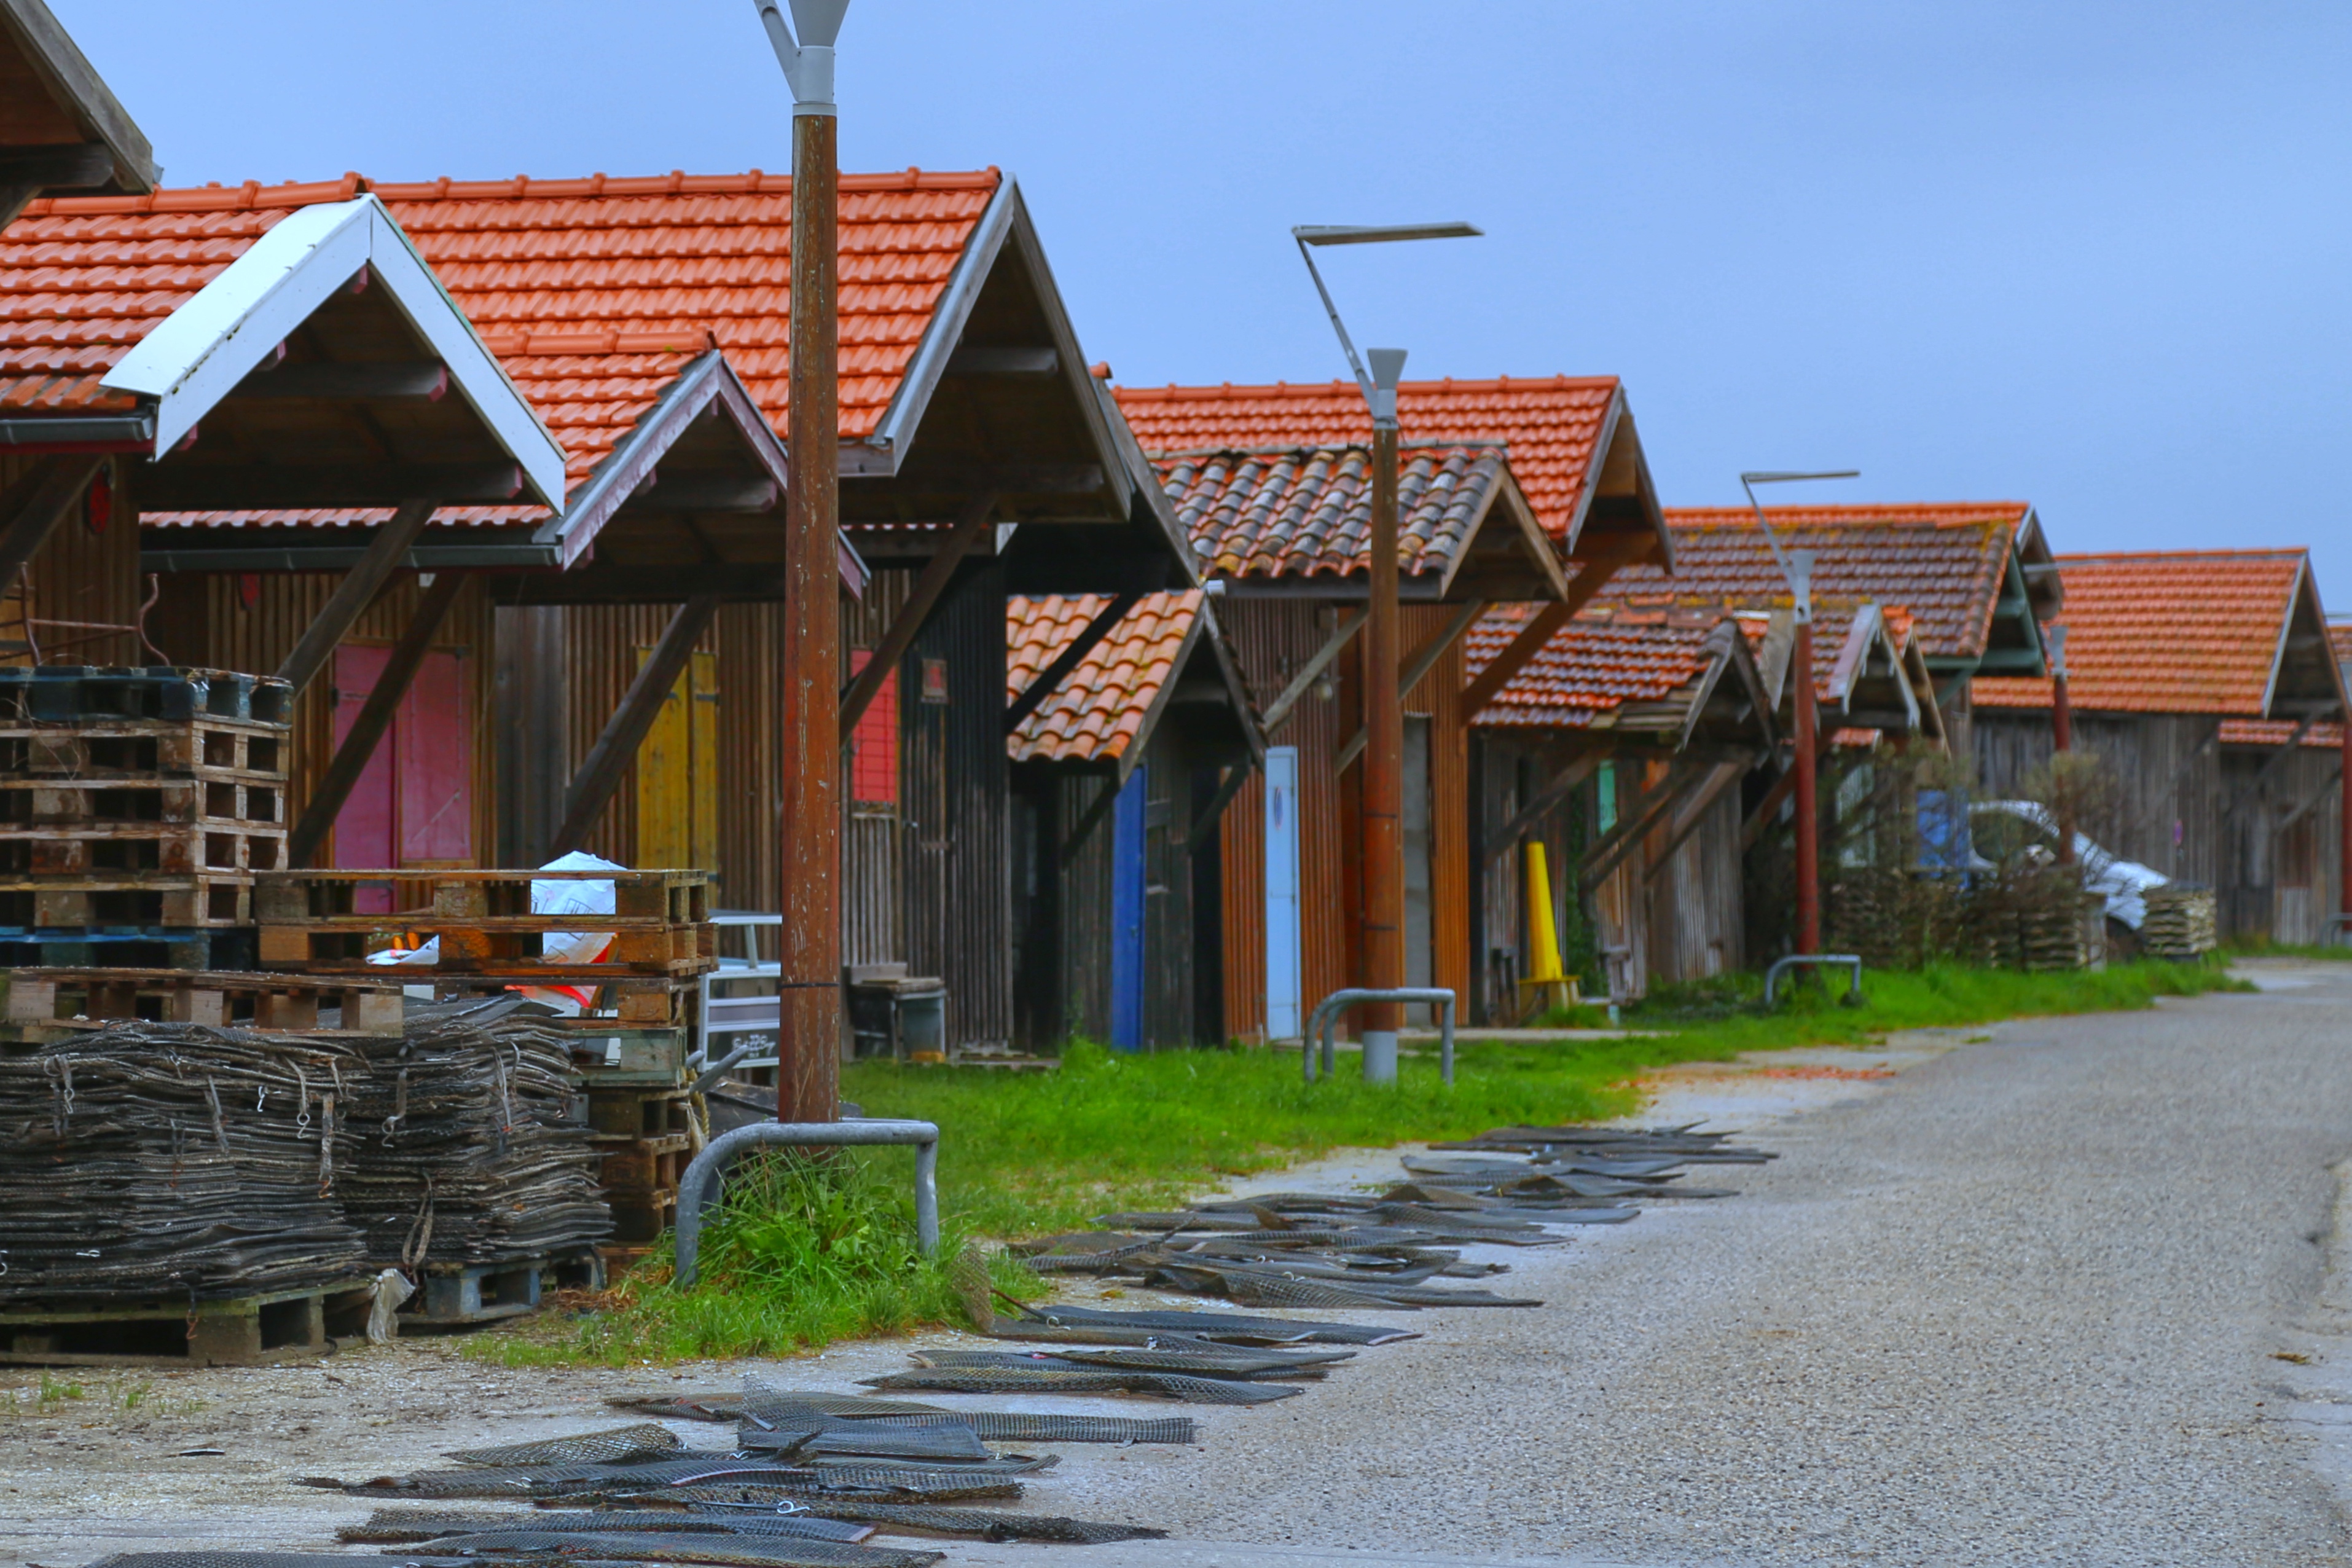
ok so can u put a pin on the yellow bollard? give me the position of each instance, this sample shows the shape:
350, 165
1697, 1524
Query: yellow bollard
1543, 986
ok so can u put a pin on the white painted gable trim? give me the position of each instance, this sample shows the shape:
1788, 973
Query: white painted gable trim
201, 351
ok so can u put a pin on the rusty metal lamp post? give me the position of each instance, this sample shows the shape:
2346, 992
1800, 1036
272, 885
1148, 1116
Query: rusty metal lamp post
2344, 814
2062, 735
808, 1044
1384, 809
1797, 567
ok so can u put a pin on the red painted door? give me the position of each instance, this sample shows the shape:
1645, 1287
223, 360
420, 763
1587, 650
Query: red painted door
413, 802
434, 750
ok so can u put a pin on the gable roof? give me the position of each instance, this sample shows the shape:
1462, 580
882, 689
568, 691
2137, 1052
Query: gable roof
1862, 677
2232, 633
1573, 449
1967, 572
1105, 710
1649, 674
125, 332
1305, 513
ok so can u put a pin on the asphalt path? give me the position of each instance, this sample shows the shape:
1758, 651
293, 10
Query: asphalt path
2023, 1302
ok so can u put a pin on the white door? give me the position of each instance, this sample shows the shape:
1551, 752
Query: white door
1281, 981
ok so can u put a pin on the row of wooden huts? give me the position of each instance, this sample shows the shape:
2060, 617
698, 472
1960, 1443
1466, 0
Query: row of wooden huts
493, 471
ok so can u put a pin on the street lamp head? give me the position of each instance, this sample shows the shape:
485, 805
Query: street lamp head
807, 62
1799, 567
2053, 637
1784, 476
1381, 234
1387, 370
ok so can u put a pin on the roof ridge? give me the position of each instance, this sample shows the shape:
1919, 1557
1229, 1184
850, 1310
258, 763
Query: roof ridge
253, 195
1295, 448
1302, 388
2259, 552
1859, 511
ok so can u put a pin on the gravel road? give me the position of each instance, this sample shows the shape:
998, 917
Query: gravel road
2018, 1302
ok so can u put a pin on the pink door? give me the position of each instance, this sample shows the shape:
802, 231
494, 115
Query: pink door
413, 802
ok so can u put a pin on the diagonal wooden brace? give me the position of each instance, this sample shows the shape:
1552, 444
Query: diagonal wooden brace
592, 788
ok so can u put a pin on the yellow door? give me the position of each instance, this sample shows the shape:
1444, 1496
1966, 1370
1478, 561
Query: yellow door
678, 773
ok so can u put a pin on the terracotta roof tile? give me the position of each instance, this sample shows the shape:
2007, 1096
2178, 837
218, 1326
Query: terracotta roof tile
2275, 732
1097, 712
1600, 663
1551, 426
592, 292
2171, 632
1942, 562
1306, 511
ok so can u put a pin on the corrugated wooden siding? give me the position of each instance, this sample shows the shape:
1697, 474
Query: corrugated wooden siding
956, 800
1273, 638
1695, 918
81, 575
203, 619
873, 874
1086, 910
1439, 695
1168, 957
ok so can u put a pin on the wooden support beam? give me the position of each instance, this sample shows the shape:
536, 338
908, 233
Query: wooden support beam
30, 507
354, 594
375, 718
1552, 794
2270, 767
243, 487
1204, 826
1091, 819
707, 492
1592, 576
64, 166
426, 379
592, 786
1415, 668
14, 199
1621, 840
974, 360
1278, 711
918, 608
1089, 637
1692, 816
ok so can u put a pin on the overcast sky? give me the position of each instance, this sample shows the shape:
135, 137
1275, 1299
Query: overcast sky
2093, 256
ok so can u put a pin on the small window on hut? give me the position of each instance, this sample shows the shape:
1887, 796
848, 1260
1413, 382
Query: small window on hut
874, 746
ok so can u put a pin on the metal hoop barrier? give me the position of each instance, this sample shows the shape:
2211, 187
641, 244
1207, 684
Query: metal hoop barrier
700, 1184
1324, 1021
1852, 997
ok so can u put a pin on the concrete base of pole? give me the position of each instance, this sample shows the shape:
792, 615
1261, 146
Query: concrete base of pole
1380, 1055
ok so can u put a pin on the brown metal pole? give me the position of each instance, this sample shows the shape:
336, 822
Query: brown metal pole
1808, 865
2061, 713
1383, 811
2344, 814
2062, 737
808, 1078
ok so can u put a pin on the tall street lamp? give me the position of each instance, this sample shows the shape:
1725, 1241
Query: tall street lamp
1797, 567
1383, 811
808, 1043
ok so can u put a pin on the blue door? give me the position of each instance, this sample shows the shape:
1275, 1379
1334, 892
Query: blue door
1127, 914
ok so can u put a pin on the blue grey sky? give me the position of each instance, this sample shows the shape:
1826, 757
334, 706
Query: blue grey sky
2090, 255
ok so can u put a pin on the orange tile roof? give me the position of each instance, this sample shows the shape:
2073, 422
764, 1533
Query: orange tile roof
2188, 631
592, 292
1552, 427
1306, 511
1099, 708
1942, 562
1832, 629
1602, 661
2339, 640
2275, 732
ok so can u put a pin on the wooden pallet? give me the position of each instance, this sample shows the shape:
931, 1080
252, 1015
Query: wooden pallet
246, 1331
167, 947
60, 1002
135, 748
139, 848
643, 1168
91, 806
626, 1112
128, 899
84, 694
309, 921
638, 1220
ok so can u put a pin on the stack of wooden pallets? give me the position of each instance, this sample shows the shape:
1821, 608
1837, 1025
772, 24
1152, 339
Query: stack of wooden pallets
136, 806
2180, 922
474, 932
